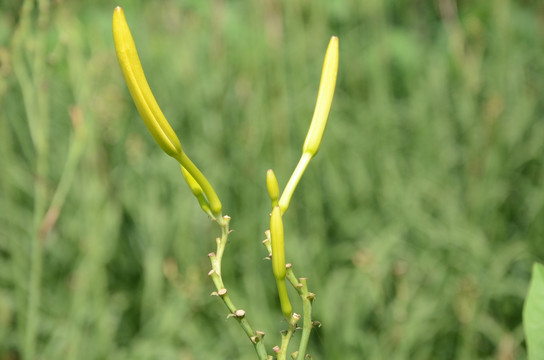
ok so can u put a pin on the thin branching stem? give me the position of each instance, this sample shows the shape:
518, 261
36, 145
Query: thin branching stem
240, 315
301, 287
307, 320
286, 336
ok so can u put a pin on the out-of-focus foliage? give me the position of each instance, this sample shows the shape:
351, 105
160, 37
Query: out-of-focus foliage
416, 224
533, 314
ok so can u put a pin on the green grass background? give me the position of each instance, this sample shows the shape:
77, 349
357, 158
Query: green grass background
416, 224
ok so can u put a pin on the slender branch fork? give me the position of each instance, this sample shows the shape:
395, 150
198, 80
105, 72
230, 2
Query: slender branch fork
256, 336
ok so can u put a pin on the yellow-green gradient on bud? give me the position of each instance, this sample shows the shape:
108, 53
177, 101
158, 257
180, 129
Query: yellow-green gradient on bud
203, 183
324, 99
139, 89
272, 186
197, 191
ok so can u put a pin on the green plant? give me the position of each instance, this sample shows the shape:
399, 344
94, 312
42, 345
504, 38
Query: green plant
164, 135
533, 315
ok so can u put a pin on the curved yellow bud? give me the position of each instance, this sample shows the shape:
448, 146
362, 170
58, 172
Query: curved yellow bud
153, 117
137, 84
319, 121
272, 186
324, 99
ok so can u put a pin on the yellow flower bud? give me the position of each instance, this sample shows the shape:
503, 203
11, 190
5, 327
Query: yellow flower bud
153, 117
272, 186
324, 99
319, 121
278, 259
278, 246
137, 84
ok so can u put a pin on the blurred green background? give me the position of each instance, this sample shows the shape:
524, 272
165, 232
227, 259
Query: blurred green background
416, 224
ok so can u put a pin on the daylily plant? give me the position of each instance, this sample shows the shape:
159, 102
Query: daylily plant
208, 200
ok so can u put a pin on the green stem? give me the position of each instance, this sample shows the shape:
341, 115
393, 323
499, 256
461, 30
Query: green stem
287, 193
285, 338
307, 321
302, 288
65, 183
215, 259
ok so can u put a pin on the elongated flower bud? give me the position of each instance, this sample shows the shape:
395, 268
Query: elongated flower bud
324, 99
278, 245
272, 186
153, 117
137, 84
278, 259
319, 121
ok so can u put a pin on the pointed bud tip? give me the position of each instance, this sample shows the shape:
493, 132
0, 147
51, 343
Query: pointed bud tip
272, 187
324, 99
